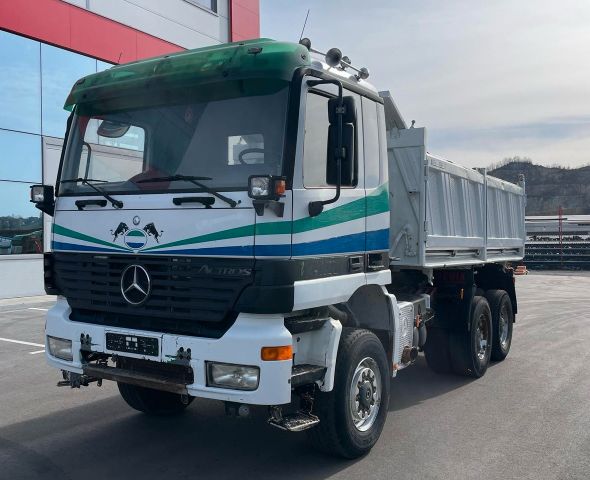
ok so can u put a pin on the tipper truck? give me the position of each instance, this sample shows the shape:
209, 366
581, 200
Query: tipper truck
255, 223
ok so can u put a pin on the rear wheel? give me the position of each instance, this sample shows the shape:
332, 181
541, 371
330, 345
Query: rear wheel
352, 415
436, 350
502, 323
471, 348
153, 402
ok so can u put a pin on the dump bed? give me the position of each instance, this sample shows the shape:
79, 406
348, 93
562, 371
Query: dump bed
443, 214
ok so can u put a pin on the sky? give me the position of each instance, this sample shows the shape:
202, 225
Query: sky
489, 79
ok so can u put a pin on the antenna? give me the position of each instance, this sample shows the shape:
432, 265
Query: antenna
304, 25
119, 59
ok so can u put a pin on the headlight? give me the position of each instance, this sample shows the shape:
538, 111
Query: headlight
236, 377
60, 348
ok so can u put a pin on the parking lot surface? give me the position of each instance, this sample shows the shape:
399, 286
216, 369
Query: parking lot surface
527, 418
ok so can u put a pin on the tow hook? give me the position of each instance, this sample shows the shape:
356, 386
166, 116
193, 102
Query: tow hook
77, 380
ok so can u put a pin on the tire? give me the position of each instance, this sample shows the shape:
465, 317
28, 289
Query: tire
436, 350
502, 323
471, 349
343, 431
152, 402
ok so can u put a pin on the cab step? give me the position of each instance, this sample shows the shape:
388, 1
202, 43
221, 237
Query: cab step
294, 422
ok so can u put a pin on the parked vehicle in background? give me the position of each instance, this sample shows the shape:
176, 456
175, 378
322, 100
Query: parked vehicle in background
249, 224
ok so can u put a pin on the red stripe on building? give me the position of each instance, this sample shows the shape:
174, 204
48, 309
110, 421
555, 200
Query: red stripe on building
244, 19
76, 29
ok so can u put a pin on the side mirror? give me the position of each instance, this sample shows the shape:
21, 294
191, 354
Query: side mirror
347, 167
346, 151
44, 198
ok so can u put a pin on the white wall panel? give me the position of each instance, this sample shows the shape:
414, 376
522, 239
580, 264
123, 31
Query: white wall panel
175, 21
223, 30
223, 8
182, 13
29, 272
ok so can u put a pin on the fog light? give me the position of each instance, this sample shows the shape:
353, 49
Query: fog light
60, 348
236, 377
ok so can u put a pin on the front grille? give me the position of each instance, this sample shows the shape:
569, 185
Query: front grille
193, 296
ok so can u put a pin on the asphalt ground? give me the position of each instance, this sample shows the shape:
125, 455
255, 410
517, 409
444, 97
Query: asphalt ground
527, 418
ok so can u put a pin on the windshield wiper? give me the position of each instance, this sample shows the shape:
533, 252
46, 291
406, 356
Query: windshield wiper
194, 180
86, 181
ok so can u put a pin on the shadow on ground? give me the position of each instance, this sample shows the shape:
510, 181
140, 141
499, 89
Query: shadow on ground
105, 439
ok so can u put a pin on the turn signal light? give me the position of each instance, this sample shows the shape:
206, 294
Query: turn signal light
280, 187
273, 354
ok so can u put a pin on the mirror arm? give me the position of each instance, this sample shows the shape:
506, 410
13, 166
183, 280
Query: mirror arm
48, 208
317, 207
88, 156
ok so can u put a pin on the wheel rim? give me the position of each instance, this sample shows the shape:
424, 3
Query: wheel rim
365, 394
482, 336
504, 327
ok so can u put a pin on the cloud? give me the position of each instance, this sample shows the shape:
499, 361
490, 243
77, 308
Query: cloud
501, 71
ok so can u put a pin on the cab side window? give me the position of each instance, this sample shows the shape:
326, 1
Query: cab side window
371, 143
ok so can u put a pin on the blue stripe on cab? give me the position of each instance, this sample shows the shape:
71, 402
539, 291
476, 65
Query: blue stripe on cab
344, 244
81, 248
357, 242
283, 250
237, 251
378, 240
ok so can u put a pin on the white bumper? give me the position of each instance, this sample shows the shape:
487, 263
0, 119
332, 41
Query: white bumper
240, 345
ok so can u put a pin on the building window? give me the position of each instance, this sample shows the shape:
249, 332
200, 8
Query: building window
20, 84
208, 4
34, 83
20, 156
21, 224
59, 70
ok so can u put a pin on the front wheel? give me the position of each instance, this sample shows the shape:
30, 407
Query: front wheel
352, 415
153, 402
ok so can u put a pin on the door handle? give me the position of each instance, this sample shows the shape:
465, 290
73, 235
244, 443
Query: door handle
207, 201
84, 203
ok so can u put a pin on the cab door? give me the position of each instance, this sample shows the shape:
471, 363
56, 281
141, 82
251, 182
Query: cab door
338, 232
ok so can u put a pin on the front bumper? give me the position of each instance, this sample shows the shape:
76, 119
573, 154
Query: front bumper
240, 345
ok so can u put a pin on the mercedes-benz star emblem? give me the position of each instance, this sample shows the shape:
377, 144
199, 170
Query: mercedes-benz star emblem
135, 284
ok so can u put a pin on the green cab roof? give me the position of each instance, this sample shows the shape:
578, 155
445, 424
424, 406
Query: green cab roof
261, 58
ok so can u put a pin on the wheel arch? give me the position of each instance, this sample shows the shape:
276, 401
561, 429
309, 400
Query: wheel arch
369, 307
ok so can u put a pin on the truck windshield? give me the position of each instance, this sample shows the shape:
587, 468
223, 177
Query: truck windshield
226, 138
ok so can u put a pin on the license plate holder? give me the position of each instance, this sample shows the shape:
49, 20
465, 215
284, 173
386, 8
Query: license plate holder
131, 343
